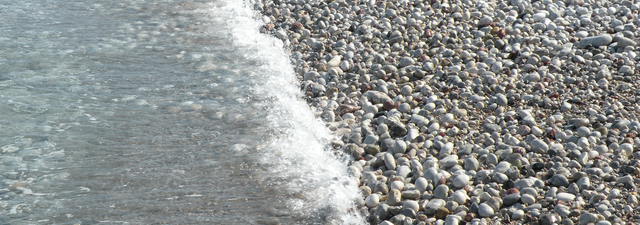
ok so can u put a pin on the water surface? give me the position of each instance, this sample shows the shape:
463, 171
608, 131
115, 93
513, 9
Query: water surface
157, 112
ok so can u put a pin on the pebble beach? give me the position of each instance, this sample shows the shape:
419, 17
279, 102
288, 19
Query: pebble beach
480, 112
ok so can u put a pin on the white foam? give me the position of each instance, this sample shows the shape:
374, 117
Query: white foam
299, 155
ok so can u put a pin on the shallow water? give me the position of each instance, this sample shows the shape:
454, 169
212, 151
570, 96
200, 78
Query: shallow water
157, 112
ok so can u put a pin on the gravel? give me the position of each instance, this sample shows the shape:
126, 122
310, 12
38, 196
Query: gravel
515, 111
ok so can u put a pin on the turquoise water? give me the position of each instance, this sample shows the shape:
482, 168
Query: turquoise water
157, 112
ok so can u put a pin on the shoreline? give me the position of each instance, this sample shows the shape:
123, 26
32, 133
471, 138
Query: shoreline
475, 112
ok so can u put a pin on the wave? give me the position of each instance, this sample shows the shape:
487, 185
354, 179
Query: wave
298, 157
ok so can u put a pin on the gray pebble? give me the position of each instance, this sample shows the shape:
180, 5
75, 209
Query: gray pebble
623, 41
460, 180
567, 197
441, 192
389, 161
595, 41
372, 200
484, 210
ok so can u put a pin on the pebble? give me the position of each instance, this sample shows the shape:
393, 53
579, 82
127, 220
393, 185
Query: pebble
460, 196
411, 204
421, 184
595, 41
567, 197
471, 163
539, 145
484, 210
518, 214
441, 191
372, 200
389, 161
460, 180
395, 197
527, 199
411, 194
452, 220
587, 218
559, 180
501, 99
624, 41
449, 161
399, 147
397, 185
406, 61
435, 204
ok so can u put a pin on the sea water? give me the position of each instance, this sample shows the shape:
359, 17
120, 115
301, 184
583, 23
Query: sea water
158, 112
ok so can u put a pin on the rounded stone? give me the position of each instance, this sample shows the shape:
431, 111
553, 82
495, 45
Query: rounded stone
460, 180
485, 210
372, 200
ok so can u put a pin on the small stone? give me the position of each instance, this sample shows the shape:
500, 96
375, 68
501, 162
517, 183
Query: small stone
372, 149
511, 199
623, 41
548, 219
421, 184
441, 213
435, 204
411, 194
441, 191
502, 167
559, 180
397, 185
587, 218
501, 99
411, 204
403, 171
567, 197
485, 21
404, 107
372, 200
396, 128
471, 163
405, 61
484, 210
460, 196
449, 161
410, 213
563, 210
399, 147
517, 214
394, 197
335, 61
452, 220
626, 180
370, 140
531, 77
527, 199
377, 97
460, 180
539, 146
595, 41
389, 161
583, 131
